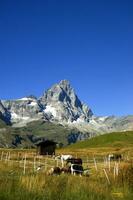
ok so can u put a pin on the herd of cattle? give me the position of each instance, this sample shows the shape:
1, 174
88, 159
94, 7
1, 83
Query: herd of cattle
74, 165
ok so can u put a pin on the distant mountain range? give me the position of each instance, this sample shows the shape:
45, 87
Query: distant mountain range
61, 105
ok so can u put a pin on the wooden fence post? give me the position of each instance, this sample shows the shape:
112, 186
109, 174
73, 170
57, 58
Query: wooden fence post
114, 170
109, 163
117, 169
9, 156
24, 164
6, 158
45, 164
57, 163
95, 164
87, 161
34, 163
62, 162
106, 176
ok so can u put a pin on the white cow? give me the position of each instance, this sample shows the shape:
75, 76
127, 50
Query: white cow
66, 157
63, 157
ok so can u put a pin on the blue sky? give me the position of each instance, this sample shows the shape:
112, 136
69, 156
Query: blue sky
90, 43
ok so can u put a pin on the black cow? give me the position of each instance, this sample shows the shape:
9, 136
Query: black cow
76, 169
77, 161
114, 157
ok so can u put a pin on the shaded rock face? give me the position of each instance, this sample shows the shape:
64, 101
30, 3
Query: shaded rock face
66, 106
24, 110
59, 103
74, 137
4, 114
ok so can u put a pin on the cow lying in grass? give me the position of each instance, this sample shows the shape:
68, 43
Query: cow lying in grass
54, 171
73, 169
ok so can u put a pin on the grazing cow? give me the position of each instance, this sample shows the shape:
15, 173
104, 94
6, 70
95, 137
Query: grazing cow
73, 169
77, 161
54, 171
76, 169
114, 157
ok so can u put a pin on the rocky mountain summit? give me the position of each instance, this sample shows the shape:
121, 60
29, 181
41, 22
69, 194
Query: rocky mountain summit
60, 105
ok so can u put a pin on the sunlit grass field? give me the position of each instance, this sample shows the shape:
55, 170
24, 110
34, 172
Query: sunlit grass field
33, 184
20, 178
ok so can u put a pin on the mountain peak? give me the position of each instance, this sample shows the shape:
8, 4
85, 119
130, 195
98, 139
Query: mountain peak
59, 103
64, 83
66, 104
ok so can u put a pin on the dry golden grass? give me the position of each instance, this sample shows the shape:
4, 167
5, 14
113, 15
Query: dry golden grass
14, 184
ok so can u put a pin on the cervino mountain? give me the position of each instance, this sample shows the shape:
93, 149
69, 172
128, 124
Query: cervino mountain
59, 103
60, 109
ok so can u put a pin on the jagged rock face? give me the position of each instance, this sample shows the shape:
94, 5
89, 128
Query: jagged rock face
24, 110
59, 103
2, 109
63, 104
4, 114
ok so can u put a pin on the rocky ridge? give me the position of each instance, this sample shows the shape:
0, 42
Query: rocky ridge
60, 105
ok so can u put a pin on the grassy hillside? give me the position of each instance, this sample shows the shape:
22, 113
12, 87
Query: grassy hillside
25, 137
2, 124
56, 132
116, 139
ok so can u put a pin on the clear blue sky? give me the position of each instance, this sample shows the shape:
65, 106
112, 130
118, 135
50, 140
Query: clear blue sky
88, 42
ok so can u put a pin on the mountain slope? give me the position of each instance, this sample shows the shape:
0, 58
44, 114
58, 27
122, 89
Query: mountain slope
27, 136
115, 139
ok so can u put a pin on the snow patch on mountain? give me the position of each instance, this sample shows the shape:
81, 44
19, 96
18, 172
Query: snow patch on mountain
33, 103
51, 110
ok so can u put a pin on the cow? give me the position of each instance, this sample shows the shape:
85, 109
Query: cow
54, 171
63, 157
66, 170
73, 169
66, 157
76, 169
77, 161
114, 157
